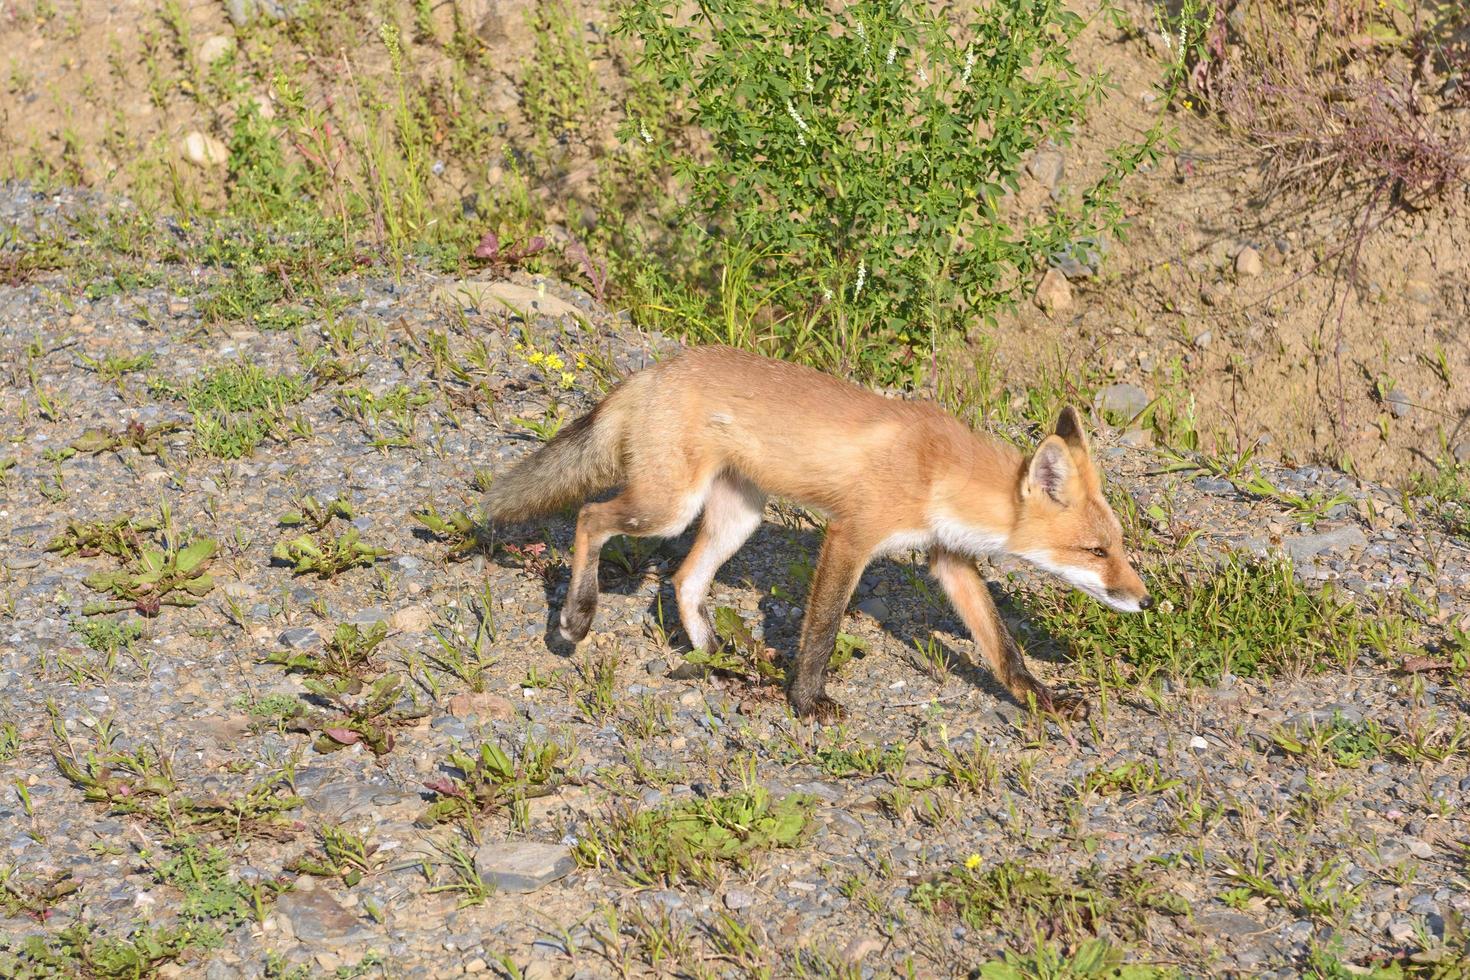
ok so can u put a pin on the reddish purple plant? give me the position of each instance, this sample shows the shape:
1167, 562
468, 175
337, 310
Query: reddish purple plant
489, 250
594, 270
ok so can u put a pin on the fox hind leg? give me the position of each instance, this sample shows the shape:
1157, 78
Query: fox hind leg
840, 566
637, 514
732, 512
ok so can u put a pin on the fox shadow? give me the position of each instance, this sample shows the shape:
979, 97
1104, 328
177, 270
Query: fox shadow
912, 619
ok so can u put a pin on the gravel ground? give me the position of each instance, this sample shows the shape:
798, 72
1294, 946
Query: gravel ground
1171, 865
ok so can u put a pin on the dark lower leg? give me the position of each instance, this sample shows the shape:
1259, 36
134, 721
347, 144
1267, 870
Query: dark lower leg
838, 568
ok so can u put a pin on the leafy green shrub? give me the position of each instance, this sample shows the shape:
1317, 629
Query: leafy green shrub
861, 155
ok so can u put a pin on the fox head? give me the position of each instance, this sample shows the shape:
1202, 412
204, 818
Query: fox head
1065, 526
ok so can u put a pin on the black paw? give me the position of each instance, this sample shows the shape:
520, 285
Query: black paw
820, 708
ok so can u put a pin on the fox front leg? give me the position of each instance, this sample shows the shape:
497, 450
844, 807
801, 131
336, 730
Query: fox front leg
971, 599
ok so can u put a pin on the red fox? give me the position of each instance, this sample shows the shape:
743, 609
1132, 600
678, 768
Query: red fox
715, 430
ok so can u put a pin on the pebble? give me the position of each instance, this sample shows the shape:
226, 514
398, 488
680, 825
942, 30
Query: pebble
214, 47
524, 866
316, 918
738, 898
1248, 263
1046, 168
1053, 294
300, 638
203, 150
1121, 401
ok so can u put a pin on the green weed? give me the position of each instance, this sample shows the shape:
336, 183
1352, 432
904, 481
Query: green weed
122, 538
157, 577
1244, 618
490, 779
1346, 743
690, 840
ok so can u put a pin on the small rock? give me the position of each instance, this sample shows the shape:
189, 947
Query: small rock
496, 297
874, 607
1198, 743
22, 559
739, 898
1248, 262
1046, 168
1121, 401
317, 918
215, 47
204, 150
1398, 403
410, 619
483, 706
1053, 293
861, 948
1304, 547
1419, 291
300, 638
520, 867
1137, 438
242, 12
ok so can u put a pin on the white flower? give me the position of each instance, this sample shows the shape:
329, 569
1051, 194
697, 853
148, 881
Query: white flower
643, 131
923, 75
862, 277
892, 53
809, 84
827, 295
800, 123
969, 65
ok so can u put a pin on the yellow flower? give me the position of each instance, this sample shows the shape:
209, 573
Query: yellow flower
535, 358
554, 363
581, 362
568, 379
972, 862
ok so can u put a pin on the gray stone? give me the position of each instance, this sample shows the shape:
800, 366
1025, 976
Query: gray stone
523, 866
507, 297
317, 918
1046, 168
22, 559
242, 12
874, 607
300, 638
367, 617
739, 898
1398, 403
1304, 547
1121, 401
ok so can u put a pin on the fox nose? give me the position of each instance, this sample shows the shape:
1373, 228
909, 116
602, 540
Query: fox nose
1147, 602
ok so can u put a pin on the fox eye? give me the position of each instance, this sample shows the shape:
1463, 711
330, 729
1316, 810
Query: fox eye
1099, 552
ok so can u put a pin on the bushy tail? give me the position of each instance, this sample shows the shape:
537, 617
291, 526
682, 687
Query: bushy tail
580, 460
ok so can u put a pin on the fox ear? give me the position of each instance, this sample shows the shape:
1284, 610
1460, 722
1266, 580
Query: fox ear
1069, 427
1051, 467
